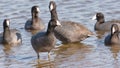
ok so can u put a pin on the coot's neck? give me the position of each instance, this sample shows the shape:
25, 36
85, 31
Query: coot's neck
100, 20
50, 29
35, 18
54, 14
6, 33
98, 23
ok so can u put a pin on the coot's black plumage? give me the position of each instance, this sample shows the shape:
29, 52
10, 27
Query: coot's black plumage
35, 23
70, 31
114, 37
10, 36
101, 24
45, 41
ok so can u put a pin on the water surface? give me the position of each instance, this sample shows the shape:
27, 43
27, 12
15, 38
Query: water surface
91, 53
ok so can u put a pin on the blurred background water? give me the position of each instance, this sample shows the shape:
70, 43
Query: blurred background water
91, 53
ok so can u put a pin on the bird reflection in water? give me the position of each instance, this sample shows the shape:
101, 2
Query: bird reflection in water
100, 34
115, 51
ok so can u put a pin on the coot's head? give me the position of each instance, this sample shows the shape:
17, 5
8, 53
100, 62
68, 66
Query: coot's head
98, 16
35, 9
114, 28
52, 5
6, 23
54, 22
115, 34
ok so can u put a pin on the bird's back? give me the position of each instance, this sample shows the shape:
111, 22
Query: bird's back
72, 32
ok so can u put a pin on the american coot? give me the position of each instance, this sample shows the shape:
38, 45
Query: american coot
70, 31
45, 41
35, 23
114, 37
101, 24
10, 36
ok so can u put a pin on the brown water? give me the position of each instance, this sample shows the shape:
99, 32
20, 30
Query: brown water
91, 53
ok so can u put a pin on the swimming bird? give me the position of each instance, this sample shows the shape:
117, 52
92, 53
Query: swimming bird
114, 36
70, 31
45, 41
101, 24
10, 36
35, 23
